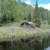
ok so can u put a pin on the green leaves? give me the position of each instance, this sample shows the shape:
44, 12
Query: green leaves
17, 11
8, 8
36, 16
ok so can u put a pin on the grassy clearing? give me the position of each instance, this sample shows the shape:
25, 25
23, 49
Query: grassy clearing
15, 32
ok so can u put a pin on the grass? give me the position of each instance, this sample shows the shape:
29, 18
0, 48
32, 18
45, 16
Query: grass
15, 32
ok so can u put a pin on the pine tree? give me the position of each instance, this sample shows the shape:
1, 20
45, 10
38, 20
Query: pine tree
29, 17
36, 17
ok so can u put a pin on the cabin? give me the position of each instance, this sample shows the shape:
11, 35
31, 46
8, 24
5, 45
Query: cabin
27, 24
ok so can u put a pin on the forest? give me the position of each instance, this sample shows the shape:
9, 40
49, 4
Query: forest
15, 37
16, 11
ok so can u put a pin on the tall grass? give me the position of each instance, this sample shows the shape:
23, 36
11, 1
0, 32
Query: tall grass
13, 32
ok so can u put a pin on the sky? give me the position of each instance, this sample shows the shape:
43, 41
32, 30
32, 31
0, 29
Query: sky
42, 3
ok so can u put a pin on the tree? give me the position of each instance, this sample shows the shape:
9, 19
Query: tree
49, 17
29, 17
8, 9
4, 19
36, 16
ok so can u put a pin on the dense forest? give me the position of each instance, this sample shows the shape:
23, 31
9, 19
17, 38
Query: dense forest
16, 10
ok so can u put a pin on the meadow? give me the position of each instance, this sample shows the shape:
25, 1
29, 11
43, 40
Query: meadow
14, 32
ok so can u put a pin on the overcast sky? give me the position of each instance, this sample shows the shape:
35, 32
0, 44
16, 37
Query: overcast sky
42, 3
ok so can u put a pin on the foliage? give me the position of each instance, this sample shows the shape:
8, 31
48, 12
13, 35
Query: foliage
48, 17
7, 9
36, 16
29, 17
13, 10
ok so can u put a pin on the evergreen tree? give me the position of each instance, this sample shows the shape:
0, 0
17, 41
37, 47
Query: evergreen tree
36, 17
29, 17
